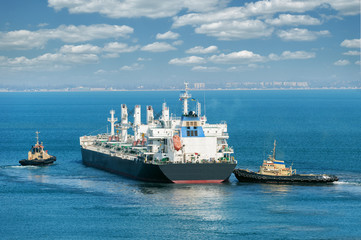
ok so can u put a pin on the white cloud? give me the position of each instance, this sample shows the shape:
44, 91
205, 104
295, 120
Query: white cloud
243, 68
241, 57
117, 47
133, 67
260, 8
298, 55
144, 59
352, 53
205, 69
358, 62
341, 62
43, 24
24, 39
353, 43
218, 23
231, 13
202, 50
274, 6
47, 61
292, 55
232, 30
215, 8
254, 66
295, 20
83, 33
135, 8
177, 43
67, 56
100, 71
167, 35
111, 49
244, 57
110, 55
187, 60
86, 48
346, 7
300, 34
158, 47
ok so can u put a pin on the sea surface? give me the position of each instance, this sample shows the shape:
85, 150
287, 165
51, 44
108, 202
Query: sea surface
318, 131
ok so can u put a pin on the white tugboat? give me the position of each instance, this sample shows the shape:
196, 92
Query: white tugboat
169, 149
37, 155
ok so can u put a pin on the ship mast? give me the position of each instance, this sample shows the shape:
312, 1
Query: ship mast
185, 96
274, 150
37, 137
112, 120
124, 122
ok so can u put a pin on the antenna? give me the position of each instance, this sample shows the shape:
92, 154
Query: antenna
204, 100
37, 137
274, 150
198, 109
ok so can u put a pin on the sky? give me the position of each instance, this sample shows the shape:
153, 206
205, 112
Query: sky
161, 44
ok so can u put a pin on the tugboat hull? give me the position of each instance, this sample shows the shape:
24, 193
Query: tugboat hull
37, 162
248, 176
165, 173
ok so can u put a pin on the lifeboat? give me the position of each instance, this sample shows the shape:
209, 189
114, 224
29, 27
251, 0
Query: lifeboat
177, 142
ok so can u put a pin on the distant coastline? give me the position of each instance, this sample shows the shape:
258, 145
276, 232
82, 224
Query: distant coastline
196, 86
176, 89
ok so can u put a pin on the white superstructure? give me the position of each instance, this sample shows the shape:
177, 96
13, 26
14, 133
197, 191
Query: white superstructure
168, 139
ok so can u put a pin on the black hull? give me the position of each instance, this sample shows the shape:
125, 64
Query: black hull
249, 176
164, 173
37, 162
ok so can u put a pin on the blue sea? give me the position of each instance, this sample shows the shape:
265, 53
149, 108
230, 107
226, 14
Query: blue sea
318, 131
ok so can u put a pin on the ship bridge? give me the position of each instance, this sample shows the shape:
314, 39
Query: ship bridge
191, 126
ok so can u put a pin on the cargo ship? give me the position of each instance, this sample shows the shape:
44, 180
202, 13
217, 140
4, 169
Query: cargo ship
167, 149
275, 171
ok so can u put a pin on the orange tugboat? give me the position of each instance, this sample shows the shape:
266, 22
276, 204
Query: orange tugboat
37, 155
275, 171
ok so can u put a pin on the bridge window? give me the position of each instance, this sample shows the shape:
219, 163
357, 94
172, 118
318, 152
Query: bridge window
196, 133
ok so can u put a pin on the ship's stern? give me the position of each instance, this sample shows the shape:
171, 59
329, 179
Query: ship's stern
198, 172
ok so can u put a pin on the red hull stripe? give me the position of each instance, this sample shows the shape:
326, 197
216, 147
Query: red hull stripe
197, 181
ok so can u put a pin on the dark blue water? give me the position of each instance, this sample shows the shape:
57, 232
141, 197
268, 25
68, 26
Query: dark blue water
319, 131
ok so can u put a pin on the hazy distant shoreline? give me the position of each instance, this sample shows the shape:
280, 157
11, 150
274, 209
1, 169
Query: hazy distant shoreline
169, 90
